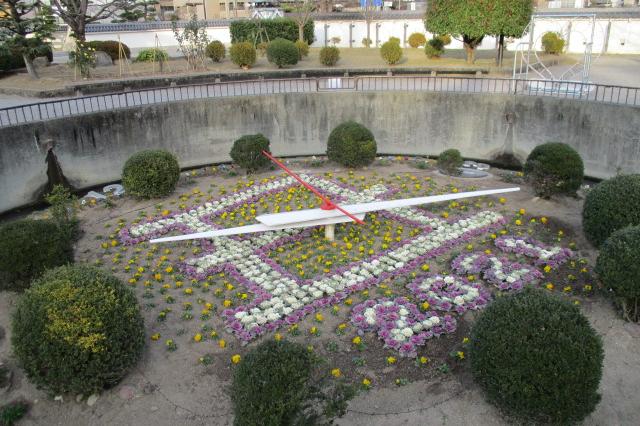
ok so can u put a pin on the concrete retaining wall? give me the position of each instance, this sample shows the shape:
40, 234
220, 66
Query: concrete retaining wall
92, 149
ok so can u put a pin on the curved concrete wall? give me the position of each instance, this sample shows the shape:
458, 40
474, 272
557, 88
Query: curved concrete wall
91, 149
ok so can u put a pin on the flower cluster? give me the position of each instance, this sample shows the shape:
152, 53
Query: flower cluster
400, 324
500, 272
552, 256
449, 293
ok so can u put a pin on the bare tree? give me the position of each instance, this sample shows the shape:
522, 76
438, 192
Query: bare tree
369, 12
302, 13
78, 13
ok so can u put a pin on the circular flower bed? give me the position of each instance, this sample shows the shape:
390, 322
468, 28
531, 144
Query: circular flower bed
400, 324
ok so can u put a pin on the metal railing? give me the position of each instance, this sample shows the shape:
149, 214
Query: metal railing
57, 109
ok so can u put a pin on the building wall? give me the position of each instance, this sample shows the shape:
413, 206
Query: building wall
92, 149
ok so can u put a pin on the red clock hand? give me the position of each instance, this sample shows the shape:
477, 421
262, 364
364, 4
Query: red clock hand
327, 204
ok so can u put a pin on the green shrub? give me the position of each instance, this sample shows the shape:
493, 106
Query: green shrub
450, 161
150, 174
11, 59
282, 384
303, 49
391, 52
243, 54
417, 40
352, 145
619, 269
272, 384
281, 53
252, 30
329, 55
12, 412
552, 43
152, 54
434, 48
554, 168
367, 42
110, 47
78, 329
63, 210
537, 358
28, 248
261, 48
247, 152
445, 39
395, 40
216, 51
611, 205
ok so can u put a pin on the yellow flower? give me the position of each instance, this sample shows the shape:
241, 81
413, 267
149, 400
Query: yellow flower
222, 343
425, 267
114, 243
522, 212
169, 269
319, 317
460, 354
502, 200
547, 269
445, 215
549, 286
356, 340
155, 337
366, 382
227, 303
348, 302
424, 360
342, 326
313, 330
391, 360
425, 305
278, 337
518, 222
188, 291
197, 337
236, 358
336, 372
543, 220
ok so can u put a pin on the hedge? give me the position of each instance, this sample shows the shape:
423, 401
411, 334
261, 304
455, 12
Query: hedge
249, 30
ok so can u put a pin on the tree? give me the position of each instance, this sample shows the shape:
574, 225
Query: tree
369, 13
25, 28
136, 10
76, 13
473, 19
302, 12
509, 19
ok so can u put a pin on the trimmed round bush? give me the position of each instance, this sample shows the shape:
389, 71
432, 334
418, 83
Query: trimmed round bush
78, 329
434, 48
28, 248
303, 49
619, 269
282, 53
367, 42
445, 39
329, 55
537, 358
417, 40
152, 54
611, 205
352, 145
272, 384
216, 51
449, 161
554, 168
110, 47
243, 54
247, 152
391, 52
552, 43
150, 174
